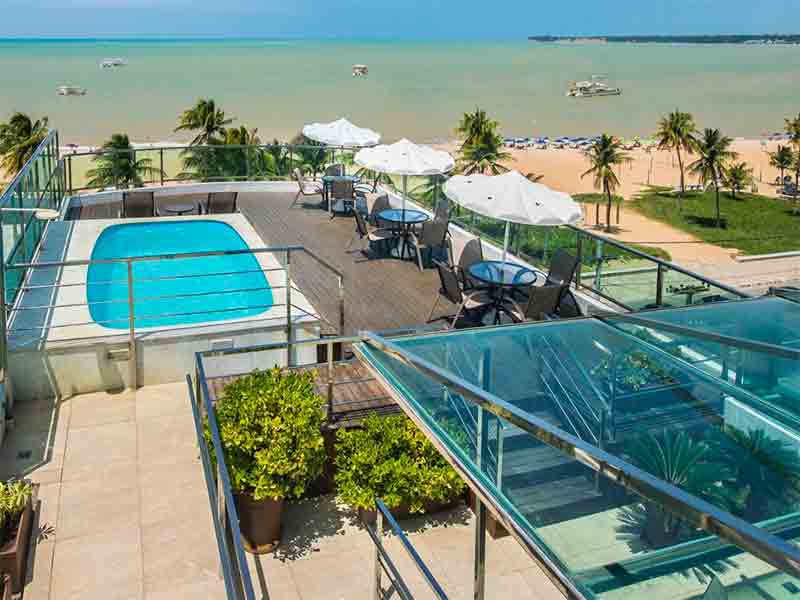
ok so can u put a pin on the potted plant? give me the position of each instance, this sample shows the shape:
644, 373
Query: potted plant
16, 518
633, 372
389, 458
270, 425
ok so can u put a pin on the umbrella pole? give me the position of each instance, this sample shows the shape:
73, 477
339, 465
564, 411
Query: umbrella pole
405, 191
505, 241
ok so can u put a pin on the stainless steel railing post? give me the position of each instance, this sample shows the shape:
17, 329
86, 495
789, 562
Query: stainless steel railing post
161, 164
378, 592
330, 380
289, 333
341, 304
660, 285
133, 368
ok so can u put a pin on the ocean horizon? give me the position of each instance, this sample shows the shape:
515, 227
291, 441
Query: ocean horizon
415, 88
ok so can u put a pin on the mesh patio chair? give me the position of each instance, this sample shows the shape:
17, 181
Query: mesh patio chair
470, 304
568, 307
221, 203
443, 209
137, 205
432, 236
368, 234
463, 253
542, 304
305, 188
335, 170
562, 268
379, 204
344, 192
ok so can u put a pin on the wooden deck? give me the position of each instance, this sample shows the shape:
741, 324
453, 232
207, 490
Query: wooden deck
379, 293
355, 393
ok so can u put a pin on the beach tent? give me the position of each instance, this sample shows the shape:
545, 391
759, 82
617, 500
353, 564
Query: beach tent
513, 198
341, 133
405, 158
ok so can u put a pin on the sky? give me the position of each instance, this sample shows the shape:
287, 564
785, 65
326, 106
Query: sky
426, 19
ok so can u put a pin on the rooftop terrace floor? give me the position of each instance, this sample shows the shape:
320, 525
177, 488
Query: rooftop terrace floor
123, 513
382, 293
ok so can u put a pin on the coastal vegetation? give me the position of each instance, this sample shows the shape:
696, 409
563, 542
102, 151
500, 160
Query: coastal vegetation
676, 133
119, 166
782, 159
604, 156
714, 153
737, 177
19, 138
481, 151
753, 224
793, 131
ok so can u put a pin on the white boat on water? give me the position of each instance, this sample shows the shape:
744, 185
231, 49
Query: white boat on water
71, 90
596, 86
360, 71
111, 63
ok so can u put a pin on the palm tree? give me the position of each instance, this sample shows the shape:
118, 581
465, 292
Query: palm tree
782, 159
605, 154
312, 156
118, 166
682, 461
714, 153
793, 129
473, 125
19, 138
429, 191
767, 468
243, 160
676, 132
737, 177
534, 177
206, 119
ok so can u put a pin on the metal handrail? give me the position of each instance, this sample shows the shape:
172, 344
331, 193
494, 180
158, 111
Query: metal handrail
382, 558
699, 513
227, 514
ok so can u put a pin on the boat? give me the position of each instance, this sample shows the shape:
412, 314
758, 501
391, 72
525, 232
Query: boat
70, 90
110, 63
360, 71
596, 86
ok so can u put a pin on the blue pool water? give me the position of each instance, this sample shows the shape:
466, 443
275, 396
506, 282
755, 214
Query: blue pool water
245, 293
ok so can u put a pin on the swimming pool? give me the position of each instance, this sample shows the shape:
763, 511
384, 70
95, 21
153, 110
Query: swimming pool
209, 297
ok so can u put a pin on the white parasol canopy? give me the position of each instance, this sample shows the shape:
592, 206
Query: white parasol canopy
513, 198
341, 133
405, 158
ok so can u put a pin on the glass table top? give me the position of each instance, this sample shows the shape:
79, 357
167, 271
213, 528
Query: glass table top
398, 215
497, 272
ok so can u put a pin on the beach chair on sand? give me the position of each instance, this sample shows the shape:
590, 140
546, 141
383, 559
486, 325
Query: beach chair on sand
137, 204
221, 203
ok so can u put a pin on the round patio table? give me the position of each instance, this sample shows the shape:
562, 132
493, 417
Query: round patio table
180, 208
402, 220
502, 276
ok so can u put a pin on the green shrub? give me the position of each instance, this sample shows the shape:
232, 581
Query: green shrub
14, 495
389, 458
270, 424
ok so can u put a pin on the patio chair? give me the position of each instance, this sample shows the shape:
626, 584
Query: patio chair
462, 255
469, 304
568, 307
342, 191
221, 203
305, 188
368, 234
379, 203
442, 209
336, 170
562, 268
542, 303
432, 236
137, 205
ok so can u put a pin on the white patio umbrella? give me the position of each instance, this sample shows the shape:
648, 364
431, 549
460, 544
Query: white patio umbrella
513, 198
341, 133
405, 158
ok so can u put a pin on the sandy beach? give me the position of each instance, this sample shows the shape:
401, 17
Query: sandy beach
562, 169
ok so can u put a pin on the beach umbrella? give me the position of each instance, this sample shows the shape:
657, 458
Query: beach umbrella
405, 158
341, 133
513, 198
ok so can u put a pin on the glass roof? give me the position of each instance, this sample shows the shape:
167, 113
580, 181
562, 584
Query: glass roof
662, 404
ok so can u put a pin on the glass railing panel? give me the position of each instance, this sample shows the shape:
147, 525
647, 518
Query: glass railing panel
618, 274
659, 416
681, 289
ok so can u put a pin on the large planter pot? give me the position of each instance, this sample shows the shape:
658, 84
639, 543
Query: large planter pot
259, 522
368, 517
14, 553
